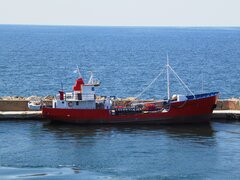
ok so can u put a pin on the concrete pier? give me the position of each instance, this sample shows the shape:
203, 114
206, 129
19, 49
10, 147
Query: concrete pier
20, 115
226, 115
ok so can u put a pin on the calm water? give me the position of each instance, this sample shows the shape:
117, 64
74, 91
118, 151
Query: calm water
34, 60
37, 149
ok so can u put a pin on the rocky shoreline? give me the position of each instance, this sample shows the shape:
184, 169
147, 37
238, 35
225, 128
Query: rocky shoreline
30, 98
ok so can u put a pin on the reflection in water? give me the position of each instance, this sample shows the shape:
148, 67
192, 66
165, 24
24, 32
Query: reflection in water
195, 131
200, 130
201, 134
78, 132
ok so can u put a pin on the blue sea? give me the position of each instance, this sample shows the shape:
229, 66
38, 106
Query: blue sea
40, 150
35, 60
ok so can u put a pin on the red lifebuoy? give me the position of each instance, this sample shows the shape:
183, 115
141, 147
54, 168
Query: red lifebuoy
70, 104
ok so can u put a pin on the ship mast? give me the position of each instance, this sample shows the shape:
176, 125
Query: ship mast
169, 68
78, 71
90, 81
168, 79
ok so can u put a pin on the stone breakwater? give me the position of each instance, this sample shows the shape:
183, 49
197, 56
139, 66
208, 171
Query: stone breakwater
228, 104
21, 98
19, 103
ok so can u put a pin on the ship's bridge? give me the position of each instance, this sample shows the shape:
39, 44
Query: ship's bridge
82, 97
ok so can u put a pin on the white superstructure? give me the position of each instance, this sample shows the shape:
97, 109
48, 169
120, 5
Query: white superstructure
82, 97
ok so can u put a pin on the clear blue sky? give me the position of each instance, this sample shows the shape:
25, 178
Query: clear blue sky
121, 12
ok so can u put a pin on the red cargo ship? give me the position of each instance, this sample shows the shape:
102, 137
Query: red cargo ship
82, 107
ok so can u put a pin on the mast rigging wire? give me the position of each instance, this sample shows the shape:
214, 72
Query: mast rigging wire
176, 76
180, 80
153, 81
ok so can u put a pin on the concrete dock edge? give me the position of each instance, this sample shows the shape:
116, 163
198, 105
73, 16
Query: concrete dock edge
226, 115
20, 115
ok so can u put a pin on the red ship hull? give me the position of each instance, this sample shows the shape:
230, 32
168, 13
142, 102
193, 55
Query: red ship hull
191, 111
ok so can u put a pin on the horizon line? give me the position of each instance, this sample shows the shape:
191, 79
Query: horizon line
160, 26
